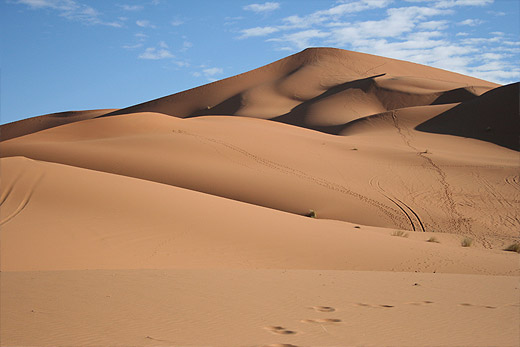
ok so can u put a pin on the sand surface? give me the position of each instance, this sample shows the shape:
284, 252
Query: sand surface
184, 221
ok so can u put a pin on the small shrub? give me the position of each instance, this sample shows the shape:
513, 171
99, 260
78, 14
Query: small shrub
515, 247
311, 214
466, 242
432, 239
400, 233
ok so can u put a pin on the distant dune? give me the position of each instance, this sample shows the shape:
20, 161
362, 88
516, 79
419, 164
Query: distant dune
175, 215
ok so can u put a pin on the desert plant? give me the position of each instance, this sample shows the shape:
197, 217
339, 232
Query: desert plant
466, 242
312, 214
400, 233
432, 239
514, 247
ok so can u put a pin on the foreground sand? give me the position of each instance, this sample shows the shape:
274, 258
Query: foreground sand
257, 308
182, 221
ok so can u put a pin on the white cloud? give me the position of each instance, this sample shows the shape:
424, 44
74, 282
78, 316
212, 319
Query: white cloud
186, 45
399, 21
453, 3
471, 22
181, 63
131, 7
144, 23
301, 39
265, 7
156, 54
209, 72
433, 25
176, 22
258, 31
137, 45
71, 10
163, 44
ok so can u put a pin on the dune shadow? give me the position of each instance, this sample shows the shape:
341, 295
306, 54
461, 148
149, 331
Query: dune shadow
492, 117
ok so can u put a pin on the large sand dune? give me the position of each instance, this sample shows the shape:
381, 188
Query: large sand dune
212, 187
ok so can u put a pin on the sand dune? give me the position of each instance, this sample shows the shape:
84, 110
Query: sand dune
32, 125
113, 213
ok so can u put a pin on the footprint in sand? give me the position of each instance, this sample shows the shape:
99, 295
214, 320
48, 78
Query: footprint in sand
368, 305
323, 308
280, 345
276, 329
321, 320
425, 302
471, 305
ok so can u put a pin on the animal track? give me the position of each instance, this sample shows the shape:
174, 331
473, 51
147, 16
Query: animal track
425, 302
375, 306
276, 329
323, 308
321, 321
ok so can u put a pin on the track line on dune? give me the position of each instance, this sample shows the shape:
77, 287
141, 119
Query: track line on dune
24, 202
513, 181
415, 214
300, 174
7, 192
457, 219
383, 192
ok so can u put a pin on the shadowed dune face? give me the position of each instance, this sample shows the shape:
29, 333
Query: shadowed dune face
493, 117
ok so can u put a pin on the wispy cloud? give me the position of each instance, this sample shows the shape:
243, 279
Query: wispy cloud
471, 22
186, 45
265, 7
71, 10
258, 31
454, 3
176, 22
137, 45
157, 53
143, 23
210, 73
332, 14
131, 7
213, 71
301, 39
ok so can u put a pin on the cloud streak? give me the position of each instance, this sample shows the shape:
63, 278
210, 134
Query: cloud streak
265, 7
71, 10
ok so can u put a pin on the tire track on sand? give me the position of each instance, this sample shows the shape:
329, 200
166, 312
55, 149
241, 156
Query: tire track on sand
25, 199
400, 204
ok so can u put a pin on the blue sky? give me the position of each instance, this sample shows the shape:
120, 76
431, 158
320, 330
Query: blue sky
59, 55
